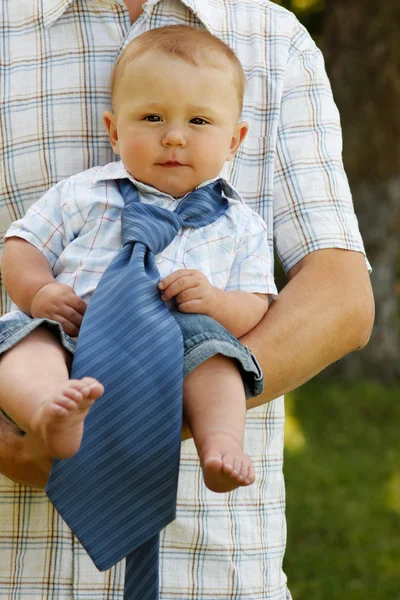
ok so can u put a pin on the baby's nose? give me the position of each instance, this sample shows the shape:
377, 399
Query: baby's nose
174, 137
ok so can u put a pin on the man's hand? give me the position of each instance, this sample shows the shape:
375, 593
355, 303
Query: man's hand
25, 460
192, 291
59, 302
22, 458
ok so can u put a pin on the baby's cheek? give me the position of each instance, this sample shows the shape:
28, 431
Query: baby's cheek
137, 146
211, 162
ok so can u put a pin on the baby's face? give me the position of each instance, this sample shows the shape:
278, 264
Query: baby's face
174, 124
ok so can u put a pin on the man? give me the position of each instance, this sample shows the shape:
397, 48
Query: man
58, 56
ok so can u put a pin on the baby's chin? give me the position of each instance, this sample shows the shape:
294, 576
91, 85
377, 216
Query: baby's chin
176, 182
172, 185
175, 192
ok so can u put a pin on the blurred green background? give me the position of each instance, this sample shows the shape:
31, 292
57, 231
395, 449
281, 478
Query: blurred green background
342, 470
342, 450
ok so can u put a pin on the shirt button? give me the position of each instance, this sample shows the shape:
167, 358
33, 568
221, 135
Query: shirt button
159, 260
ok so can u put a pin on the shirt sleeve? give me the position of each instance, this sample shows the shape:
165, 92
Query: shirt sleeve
252, 269
313, 206
43, 224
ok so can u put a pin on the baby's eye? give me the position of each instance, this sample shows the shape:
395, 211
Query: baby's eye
152, 118
198, 121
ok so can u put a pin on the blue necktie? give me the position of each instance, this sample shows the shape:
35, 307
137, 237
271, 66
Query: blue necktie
119, 491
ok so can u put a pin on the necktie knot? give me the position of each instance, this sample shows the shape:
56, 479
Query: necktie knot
203, 206
156, 227
153, 226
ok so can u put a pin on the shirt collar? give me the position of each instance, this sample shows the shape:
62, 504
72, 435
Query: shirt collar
53, 10
206, 11
116, 170
209, 16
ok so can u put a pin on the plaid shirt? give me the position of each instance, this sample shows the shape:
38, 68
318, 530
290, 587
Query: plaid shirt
56, 58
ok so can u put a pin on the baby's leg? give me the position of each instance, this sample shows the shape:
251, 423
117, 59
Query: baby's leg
35, 390
215, 409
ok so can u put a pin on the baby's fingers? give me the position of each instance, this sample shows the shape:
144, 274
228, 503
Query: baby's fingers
77, 304
68, 327
72, 319
187, 295
178, 286
75, 318
172, 277
192, 306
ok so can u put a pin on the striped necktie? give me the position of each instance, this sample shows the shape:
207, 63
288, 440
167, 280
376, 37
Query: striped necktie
119, 490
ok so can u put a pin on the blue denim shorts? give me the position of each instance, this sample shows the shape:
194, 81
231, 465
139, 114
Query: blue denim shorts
202, 338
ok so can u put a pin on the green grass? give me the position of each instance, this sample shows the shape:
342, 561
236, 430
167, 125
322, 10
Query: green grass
342, 468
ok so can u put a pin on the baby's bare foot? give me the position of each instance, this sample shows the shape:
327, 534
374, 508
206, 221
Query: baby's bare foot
225, 465
59, 420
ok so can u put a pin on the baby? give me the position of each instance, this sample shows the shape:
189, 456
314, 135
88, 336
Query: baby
177, 95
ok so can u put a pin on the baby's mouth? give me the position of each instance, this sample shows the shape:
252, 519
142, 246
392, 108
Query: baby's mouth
171, 164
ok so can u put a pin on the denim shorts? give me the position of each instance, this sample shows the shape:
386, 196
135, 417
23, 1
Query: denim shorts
202, 337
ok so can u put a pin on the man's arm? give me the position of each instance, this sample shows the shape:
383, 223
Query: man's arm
325, 311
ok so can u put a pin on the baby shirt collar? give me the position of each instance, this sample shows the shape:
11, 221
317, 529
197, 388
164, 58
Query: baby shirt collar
116, 170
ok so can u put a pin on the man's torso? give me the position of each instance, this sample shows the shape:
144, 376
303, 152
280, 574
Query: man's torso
57, 57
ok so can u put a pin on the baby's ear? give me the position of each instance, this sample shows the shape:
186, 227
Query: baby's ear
111, 126
239, 133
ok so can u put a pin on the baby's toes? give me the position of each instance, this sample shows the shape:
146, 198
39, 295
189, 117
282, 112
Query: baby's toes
242, 474
92, 387
251, 475
247, 474
61, 405
81, 387
78, 385
227, 464
237, 467
74, 394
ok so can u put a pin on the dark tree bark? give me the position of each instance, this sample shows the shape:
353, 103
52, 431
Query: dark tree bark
361, 44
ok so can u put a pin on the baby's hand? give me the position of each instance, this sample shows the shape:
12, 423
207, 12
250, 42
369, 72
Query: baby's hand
192, 291
59, 302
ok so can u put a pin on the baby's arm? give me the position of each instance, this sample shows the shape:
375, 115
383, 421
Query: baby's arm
25, 271
29, 281
239, 312
244, 302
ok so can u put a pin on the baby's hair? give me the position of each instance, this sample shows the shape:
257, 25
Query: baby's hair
195, 46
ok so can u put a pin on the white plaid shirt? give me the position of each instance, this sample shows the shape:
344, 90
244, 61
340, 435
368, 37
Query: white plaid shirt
56, 59
77, 226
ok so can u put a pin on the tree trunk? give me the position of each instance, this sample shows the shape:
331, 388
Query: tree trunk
361, 47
